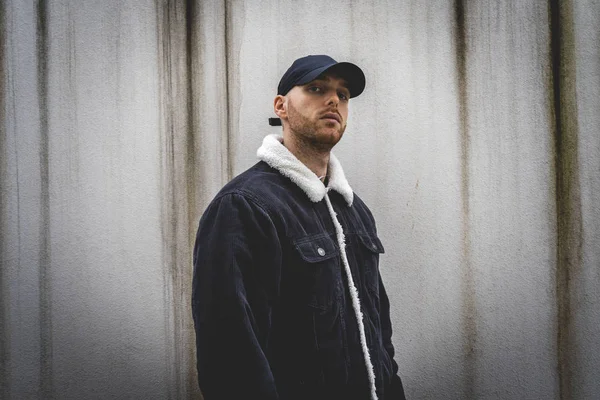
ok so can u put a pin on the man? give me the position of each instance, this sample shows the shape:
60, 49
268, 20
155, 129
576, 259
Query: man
287, 297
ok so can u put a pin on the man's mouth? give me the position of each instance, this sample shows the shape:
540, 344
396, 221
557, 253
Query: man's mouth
332, 116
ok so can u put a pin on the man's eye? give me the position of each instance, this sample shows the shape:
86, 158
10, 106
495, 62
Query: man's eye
343, 96
314, 89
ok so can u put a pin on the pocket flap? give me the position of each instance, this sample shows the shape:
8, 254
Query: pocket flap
316, 248
372, 242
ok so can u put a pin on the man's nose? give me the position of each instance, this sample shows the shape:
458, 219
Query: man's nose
333, 99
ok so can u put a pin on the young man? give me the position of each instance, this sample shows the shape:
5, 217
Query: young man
288, 302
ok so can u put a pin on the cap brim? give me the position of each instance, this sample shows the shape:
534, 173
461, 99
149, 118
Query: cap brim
351, 73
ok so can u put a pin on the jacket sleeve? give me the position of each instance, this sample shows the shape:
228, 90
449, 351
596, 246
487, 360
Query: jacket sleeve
395, 391
237, 257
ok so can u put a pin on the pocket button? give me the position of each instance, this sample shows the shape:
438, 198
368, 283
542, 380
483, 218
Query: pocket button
321, 251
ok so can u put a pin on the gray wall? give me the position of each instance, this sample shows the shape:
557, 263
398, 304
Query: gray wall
476, 144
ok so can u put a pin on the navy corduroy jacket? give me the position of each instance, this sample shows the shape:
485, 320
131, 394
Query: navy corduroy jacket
271, 305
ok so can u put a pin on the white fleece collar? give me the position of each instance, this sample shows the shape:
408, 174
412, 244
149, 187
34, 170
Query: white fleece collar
274, 153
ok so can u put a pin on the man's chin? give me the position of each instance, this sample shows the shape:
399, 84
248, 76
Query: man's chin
327, 138
318, 136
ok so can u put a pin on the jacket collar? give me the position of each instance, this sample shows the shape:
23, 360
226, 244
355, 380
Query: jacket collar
274, 153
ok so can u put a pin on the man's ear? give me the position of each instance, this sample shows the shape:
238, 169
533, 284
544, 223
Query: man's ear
280, 106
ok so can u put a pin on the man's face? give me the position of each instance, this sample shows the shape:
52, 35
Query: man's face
318, 111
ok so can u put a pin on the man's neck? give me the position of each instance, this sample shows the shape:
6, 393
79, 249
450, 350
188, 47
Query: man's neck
315, 160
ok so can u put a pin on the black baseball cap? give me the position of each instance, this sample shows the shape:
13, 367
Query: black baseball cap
307, 69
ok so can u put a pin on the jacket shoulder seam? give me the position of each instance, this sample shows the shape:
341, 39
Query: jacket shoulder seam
248, 196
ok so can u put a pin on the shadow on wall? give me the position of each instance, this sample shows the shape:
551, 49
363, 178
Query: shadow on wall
114, 354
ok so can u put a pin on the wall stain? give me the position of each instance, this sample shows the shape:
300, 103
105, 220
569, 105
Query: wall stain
175, 44
163, 35
468, 283
176, 8
72, 56
227, 43
192, 38
4, 288
45, 287
232, 68
70, 91
567, 187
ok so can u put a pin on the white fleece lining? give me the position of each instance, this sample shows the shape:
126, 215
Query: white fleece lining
274, 153
354, 295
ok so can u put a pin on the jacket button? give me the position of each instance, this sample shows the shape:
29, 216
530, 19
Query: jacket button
321, 251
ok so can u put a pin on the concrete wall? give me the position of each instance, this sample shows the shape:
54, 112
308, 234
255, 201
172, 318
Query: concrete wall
476, 143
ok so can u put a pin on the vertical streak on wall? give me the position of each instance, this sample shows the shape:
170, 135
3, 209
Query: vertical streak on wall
568, 191
45, 287
4, 334
468, 289
187, 226
164, 50
227, 164
190, 187
190, 47
176, 32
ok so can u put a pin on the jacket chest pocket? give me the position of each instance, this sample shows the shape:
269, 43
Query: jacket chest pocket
318, 270
369, 247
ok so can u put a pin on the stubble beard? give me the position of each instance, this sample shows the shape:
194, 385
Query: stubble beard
306, 131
